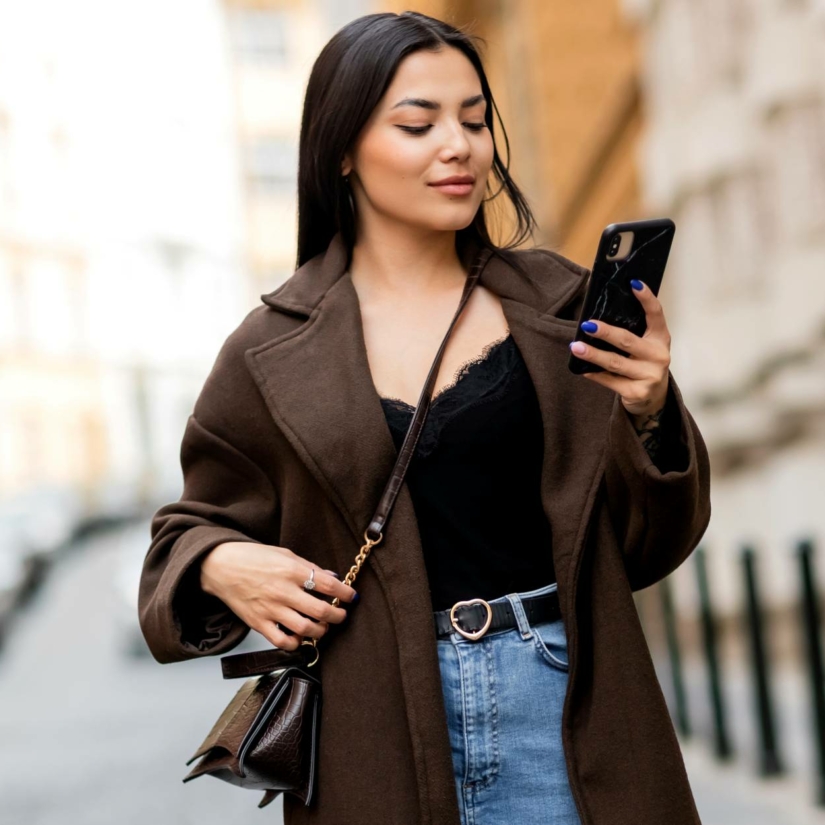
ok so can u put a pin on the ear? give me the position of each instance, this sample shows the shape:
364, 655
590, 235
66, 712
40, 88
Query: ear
346, 165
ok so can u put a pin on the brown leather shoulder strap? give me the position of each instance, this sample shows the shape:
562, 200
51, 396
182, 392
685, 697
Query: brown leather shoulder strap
407, 450
256, 662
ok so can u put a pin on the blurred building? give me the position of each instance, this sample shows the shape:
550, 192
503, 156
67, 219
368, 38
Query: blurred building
147, 199
734, 151
51, 418
121, 266
273, 46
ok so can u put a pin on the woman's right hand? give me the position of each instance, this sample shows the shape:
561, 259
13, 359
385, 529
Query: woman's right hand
263, 584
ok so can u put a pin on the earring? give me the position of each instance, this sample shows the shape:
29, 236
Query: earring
349, 194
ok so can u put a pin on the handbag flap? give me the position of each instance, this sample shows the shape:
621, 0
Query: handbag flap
231, 726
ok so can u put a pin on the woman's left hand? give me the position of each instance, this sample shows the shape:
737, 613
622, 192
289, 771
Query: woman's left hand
641, 377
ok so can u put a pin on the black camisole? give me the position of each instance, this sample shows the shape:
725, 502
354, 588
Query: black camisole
475, 480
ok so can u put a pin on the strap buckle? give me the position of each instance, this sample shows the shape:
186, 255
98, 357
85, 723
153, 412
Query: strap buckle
476, 634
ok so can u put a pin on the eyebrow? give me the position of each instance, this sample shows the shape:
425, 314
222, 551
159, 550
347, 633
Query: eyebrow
431, 104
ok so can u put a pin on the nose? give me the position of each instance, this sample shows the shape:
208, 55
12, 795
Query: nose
456, 144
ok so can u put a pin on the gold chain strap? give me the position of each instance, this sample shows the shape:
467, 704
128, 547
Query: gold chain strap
348, 579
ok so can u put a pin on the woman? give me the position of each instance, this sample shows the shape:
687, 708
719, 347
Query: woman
547, 496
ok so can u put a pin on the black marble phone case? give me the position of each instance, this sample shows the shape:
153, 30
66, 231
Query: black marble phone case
610, 297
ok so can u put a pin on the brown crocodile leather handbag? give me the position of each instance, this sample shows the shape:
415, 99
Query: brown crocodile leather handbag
266, 739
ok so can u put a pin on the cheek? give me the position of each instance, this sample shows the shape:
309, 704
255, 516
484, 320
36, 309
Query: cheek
484, 152
393, 157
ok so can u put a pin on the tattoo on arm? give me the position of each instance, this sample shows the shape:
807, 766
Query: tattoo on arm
650, 432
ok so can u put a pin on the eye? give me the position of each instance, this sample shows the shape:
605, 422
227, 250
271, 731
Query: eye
416, 130
420, 130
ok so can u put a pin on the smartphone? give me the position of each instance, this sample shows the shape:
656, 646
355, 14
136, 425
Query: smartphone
633, 249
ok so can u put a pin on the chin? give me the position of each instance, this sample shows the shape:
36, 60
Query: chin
458, 219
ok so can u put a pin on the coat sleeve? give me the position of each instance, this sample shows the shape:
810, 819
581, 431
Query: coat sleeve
226, 497
660, 512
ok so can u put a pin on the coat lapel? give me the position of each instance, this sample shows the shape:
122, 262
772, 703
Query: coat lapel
575, 412
317, 385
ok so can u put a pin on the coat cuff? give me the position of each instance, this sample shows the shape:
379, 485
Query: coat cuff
676, 457
672, 454
659, 517
202, 622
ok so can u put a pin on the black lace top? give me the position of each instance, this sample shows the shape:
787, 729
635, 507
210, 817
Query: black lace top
475, 480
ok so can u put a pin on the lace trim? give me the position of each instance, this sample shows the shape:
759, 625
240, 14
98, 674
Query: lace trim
478, 380
462, 370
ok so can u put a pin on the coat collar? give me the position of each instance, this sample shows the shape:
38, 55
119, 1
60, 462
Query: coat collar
316, 383
548, 287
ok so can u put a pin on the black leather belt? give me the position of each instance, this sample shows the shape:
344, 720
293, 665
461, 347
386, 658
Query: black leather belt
473, 618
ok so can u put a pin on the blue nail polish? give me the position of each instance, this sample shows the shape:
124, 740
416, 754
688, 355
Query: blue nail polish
589, 326
635, 284
356, 598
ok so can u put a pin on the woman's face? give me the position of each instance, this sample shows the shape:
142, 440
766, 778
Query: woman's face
427, 127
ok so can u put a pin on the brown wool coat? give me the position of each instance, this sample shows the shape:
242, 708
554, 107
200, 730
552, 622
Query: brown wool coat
288, 445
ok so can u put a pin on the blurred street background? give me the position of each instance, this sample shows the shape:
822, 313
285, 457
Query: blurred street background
148, 158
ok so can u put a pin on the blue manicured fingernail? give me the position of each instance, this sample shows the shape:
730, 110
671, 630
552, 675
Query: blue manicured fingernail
637, 285
356, 598
589, 326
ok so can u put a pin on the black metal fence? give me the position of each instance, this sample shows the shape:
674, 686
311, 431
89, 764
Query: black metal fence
755, 633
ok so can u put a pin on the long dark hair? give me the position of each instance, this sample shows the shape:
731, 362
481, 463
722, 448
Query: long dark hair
347, 81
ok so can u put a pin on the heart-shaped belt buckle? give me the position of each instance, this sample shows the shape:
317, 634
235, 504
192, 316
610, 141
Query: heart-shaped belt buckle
477, 634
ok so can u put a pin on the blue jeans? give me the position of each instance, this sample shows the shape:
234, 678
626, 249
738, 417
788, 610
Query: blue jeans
504, 695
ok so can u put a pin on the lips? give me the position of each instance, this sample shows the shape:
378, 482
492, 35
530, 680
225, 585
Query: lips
454, 179
455, 185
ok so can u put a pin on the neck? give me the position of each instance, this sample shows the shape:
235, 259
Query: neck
397, 261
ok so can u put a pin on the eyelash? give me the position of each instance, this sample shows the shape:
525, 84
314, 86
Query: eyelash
420, 130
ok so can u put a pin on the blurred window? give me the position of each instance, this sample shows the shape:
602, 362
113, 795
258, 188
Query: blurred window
743, 234
696, 248
259, 35
720, 32
797, 139
52, 304
271, 164
11, 302
5, 164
